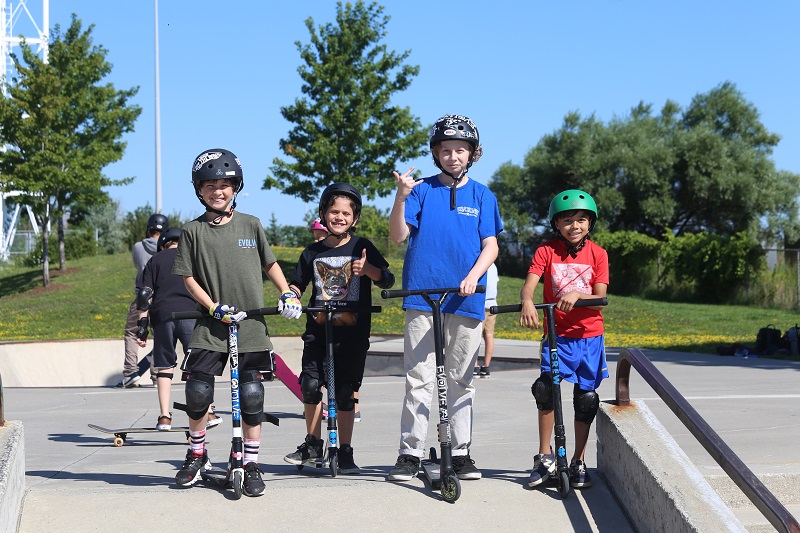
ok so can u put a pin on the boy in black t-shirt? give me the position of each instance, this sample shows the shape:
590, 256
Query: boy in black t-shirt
340, 267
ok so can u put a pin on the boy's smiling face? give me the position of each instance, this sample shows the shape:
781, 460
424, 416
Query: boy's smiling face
339, 216
217, 193
454, 156
574, 226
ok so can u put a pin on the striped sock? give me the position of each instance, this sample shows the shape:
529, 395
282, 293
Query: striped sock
251, 450
197, 442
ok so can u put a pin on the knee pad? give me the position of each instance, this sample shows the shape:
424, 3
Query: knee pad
344, 397
542, 390
586, 404
310, 388
199, 394
251, 397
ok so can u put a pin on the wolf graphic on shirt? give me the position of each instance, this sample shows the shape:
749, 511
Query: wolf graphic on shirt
333, 284
568, 277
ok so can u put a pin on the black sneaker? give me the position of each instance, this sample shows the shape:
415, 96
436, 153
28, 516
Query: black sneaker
485, 373
253, 484
346, 463
476, 371
188, 474
465, 467
578, 475
307, 453
406, 468
544, 466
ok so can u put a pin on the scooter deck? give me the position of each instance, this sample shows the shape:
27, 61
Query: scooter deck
432, 469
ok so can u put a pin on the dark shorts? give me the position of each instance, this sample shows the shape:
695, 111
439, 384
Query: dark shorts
213, 363
349, 360
165, 336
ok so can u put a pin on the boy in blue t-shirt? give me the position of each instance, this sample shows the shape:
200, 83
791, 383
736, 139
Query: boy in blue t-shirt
452, 223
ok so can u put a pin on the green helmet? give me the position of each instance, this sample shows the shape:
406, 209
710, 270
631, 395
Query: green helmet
571, 200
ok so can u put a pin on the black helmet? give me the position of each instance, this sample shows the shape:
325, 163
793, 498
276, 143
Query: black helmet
455, 128
217, 164
339, 188
157, 222
172, 234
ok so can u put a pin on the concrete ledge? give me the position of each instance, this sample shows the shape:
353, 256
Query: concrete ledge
653, 479
12, 474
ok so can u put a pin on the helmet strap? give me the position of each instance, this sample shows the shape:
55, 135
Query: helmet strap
574, 249
220, 214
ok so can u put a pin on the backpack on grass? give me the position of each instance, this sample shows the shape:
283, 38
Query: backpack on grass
768, 340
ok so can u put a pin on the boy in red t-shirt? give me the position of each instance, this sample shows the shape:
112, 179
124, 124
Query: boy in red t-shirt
573, 267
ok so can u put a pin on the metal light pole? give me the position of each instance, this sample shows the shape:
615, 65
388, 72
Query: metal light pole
158, 120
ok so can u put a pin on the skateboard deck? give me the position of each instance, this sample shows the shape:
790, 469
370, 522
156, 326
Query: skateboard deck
121, 434
432, 469
289, 378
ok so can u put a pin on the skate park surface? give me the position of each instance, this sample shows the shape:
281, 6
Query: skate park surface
76, 480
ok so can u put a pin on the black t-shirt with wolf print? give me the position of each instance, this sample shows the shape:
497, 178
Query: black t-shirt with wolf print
329, 271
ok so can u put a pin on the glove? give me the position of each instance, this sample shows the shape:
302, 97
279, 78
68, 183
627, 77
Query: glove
143, 329
289, 305
226, 313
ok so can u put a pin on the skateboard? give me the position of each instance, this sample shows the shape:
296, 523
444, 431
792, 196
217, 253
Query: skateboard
120, 435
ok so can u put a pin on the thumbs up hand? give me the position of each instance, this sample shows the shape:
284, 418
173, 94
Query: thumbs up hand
360, 265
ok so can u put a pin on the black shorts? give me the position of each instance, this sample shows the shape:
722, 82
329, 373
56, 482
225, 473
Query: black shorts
349, 360
165, 336
213, 363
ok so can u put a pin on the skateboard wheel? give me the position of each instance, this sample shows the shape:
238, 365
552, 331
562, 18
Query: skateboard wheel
118, 441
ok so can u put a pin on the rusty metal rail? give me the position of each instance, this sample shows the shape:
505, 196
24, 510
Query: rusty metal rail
745, 479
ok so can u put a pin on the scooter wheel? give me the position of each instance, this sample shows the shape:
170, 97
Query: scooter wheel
334, 464
238, 484
451, 488
563, 486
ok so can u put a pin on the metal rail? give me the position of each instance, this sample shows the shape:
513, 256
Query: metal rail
745, 479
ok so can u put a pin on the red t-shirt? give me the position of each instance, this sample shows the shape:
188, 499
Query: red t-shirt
561, 274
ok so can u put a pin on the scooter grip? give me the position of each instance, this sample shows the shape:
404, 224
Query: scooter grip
591, 302
497, 309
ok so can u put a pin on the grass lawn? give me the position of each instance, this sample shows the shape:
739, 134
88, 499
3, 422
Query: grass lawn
90, 300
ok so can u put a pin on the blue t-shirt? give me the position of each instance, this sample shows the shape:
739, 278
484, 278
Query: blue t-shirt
445, 243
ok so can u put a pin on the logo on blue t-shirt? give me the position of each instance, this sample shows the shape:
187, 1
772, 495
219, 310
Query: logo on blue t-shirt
247, 243
469, 211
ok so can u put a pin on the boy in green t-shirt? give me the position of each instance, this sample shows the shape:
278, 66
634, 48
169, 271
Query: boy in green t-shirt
221, 257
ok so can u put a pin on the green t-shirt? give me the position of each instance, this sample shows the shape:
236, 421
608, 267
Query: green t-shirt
227, 262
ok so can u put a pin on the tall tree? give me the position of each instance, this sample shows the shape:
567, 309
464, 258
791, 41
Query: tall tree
62, 127
345, 126
704, 168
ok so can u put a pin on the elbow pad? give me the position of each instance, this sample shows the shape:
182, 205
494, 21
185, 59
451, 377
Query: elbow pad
143, 298
386, 281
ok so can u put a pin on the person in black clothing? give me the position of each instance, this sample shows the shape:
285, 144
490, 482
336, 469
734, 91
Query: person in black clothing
162, 294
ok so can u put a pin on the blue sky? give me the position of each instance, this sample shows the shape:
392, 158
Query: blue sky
516, 68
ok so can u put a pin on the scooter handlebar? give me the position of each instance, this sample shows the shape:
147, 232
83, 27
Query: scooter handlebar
184, 315
516, 308
402, 293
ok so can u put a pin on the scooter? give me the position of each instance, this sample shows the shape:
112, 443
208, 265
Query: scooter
234, 476
330, 458
438, 471
558, 412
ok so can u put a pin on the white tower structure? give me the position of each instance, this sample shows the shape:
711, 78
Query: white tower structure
13, 12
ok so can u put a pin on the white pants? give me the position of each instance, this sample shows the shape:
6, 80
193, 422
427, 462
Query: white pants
462, 339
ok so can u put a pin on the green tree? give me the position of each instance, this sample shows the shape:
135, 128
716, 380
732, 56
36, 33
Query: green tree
62, 127
106, 220
703, 168
345, 126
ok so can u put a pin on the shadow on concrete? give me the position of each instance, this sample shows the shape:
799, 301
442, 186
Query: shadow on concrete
128, 480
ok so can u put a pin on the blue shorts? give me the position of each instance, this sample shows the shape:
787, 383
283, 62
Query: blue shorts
580, 361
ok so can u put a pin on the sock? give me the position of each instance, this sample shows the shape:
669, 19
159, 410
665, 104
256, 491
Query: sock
251, 450
197, 442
